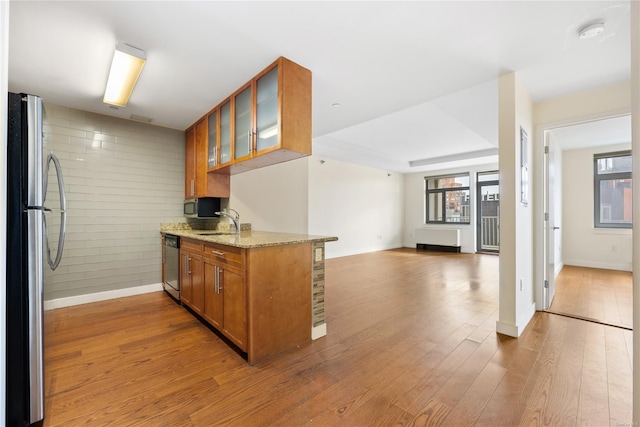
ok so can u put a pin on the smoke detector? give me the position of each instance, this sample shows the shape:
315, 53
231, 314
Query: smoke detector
590, 31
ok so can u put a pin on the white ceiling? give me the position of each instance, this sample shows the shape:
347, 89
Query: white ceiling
415, 80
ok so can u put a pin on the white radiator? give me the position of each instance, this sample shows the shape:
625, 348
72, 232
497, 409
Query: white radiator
438, 236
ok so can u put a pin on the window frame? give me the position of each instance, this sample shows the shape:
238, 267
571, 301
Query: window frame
597, 179
443, 194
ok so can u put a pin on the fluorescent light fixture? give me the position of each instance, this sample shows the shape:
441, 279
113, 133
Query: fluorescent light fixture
125, 69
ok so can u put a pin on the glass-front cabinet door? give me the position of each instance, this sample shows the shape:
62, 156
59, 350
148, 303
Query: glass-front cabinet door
243, 134
266, 121
212, 157
225, 133
267, 129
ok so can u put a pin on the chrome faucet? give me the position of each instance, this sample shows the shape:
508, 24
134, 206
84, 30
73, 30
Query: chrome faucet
235, 218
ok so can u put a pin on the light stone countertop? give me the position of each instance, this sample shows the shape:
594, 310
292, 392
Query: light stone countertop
248, 238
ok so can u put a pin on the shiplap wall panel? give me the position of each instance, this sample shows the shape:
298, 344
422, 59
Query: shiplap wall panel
122, 179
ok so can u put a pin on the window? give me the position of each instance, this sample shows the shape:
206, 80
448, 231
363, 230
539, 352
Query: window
448, 199
612, 190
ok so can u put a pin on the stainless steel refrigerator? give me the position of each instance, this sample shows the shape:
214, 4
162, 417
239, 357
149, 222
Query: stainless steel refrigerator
27, 247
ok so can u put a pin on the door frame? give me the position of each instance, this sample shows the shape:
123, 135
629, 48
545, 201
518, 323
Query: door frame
541, 191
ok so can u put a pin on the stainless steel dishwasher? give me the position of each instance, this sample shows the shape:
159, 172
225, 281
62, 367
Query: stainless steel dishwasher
171, 265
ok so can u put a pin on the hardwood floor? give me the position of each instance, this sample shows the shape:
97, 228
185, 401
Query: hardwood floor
411, 341
601, 295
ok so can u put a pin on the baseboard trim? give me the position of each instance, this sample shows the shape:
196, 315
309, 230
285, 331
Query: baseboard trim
318, 331
558, 268
598, 264
101, 296
516, 330
329, 253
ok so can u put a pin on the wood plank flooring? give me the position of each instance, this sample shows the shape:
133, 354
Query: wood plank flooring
601, 295
411, 341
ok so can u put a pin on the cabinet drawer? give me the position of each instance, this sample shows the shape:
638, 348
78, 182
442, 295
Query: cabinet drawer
191, 245
225, 254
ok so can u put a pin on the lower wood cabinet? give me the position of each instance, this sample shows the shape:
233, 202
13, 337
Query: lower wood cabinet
192, 280
225, 302
213, 303
259, 298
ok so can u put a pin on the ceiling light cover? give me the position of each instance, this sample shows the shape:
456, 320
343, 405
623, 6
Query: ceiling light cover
591, 30
125, 69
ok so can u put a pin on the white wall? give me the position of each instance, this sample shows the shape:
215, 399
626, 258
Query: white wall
273, 198
585, 245
414, 206
582, 106
4, 61
122, 179
517, 304
362, 206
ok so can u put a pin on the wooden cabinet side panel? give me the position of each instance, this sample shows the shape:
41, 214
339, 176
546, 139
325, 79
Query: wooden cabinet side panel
218, 184
190, 163
295, 107
279, 299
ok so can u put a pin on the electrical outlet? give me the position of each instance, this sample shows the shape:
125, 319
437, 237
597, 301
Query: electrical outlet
318, 254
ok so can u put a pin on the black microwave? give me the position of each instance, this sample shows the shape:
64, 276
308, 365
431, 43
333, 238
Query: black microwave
203, 207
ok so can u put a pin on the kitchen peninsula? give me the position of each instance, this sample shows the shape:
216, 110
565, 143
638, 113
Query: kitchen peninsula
264, 291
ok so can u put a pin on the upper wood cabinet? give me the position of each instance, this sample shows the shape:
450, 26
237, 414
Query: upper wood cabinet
266, 121
199, 183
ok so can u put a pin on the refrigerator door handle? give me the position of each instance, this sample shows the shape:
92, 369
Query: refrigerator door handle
63, 210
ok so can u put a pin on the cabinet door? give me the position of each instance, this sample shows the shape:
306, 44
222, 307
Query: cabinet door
185, 278
212, 142
213, 302
267, 126
235, 302
190, 164
243, 134
197, 283
225, 133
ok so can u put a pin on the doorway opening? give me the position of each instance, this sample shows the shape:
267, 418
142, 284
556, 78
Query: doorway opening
586, 268
488, 217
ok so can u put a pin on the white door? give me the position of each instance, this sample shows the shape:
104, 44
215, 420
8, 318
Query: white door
551, 226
